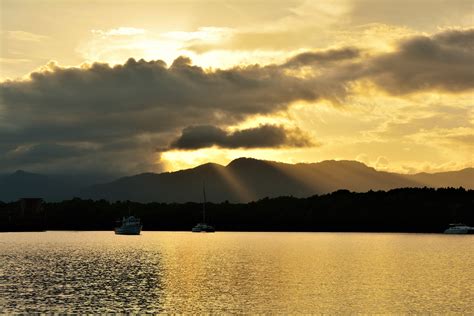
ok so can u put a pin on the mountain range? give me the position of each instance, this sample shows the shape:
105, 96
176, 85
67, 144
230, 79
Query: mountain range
242, 180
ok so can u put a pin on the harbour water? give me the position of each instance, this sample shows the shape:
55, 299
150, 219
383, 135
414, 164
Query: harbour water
227, 272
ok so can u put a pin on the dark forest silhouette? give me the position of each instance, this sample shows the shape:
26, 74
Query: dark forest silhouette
398, 210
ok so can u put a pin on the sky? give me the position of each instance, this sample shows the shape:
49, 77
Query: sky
124, 87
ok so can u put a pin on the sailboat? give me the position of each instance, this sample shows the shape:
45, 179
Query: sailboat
203, 227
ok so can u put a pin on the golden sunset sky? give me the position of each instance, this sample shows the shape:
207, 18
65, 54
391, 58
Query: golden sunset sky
387, 83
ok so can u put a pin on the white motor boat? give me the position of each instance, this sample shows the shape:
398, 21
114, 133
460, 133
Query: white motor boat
459, 229
130, 225
203, 228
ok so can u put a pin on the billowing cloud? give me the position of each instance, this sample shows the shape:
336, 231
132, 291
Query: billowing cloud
263, 136
105, 113
140, 103
140, 85
443, 62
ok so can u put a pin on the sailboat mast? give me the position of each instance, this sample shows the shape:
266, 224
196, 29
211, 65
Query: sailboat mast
204, 203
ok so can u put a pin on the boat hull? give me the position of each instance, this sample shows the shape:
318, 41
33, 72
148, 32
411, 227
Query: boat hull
460, 232
203, 228
203, 231
128, 230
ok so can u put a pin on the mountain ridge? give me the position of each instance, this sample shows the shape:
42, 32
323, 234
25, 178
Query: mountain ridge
248, 179
241, 180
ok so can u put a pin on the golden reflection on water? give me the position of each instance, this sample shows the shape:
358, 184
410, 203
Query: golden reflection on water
236, 272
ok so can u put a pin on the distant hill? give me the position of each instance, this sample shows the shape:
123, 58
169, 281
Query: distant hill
246, 179
49, 187
242, 180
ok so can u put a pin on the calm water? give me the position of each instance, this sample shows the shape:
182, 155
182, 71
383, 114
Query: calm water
236, 272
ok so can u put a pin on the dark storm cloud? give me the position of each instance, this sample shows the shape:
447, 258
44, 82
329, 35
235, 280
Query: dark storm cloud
459, 38
104, 102
443, 61
263, 136
115, 116
40, 152
141, 85
139, 104
332, 55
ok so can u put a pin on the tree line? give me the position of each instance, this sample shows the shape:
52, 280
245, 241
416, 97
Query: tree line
398, 210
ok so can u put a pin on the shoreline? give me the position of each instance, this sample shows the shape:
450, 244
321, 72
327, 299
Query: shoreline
245, 231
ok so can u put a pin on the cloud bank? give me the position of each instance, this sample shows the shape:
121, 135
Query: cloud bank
263, 136
318, 58
106, 115
443, 61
